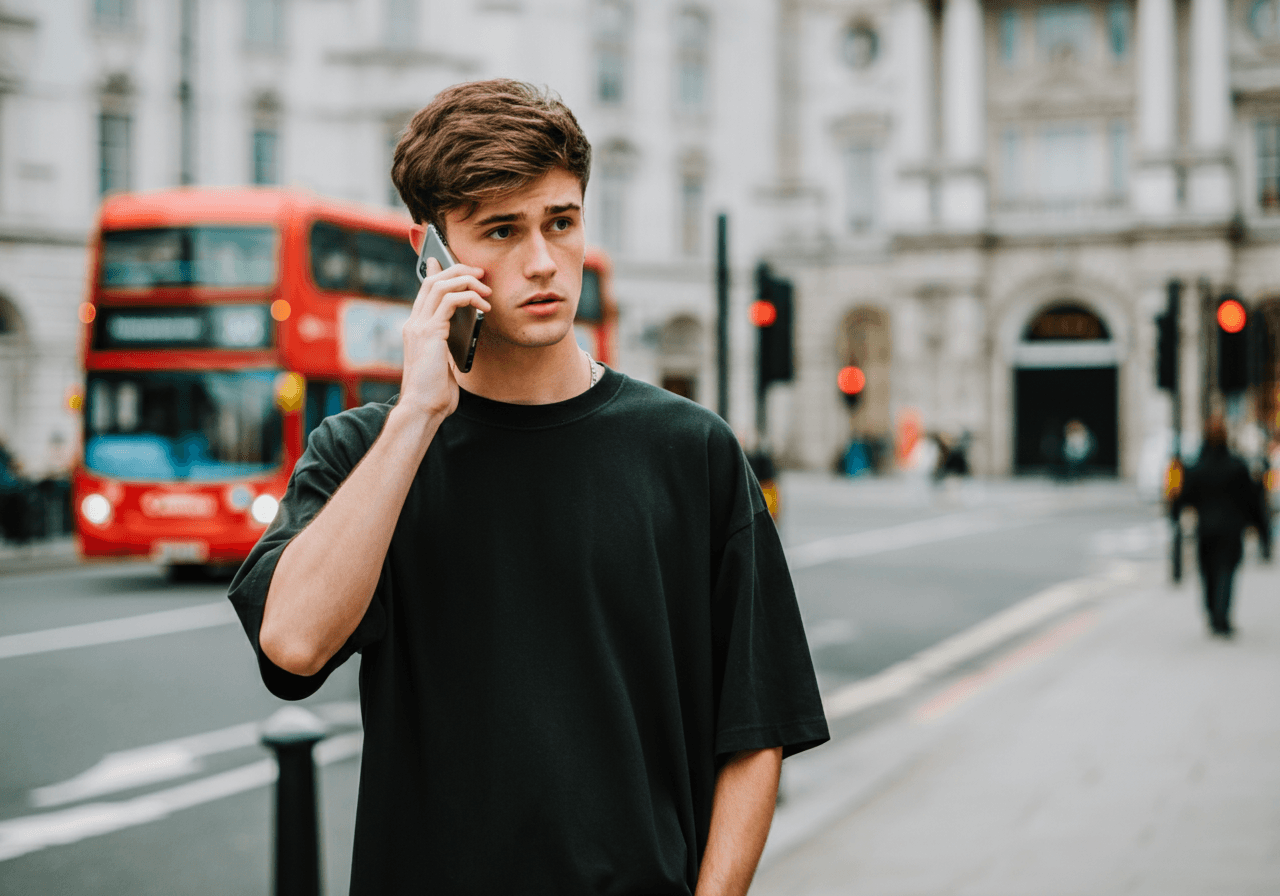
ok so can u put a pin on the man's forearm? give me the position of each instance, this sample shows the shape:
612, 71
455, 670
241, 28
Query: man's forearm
741, 812
326, 576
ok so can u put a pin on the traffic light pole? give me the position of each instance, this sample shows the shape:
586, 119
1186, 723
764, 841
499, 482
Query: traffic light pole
722, 316
1175, 396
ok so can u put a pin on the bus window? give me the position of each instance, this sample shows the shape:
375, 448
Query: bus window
171, 425
590, 305
386, 266
331, 259
378, 392
324, 399
372, 264
180, 256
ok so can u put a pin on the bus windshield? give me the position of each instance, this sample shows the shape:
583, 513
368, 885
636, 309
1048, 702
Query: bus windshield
172, 426
188, 256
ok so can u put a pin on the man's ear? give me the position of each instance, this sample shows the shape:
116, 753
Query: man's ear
417, 233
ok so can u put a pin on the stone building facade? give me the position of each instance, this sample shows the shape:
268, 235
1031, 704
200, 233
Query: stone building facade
953, 187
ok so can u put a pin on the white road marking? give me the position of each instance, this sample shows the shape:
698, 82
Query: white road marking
168, 760
20, 836
892, 538
902, 677
113, 631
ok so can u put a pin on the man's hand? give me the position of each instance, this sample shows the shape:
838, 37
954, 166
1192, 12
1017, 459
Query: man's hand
429, 384
741, 812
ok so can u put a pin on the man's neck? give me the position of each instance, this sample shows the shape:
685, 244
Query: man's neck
518, 375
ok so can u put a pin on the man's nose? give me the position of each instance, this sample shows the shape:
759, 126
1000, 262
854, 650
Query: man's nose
539, 265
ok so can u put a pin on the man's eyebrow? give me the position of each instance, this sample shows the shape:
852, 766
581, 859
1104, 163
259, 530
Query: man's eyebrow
510, 218
561, 209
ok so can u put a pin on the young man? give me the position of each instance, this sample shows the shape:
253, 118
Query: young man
582, 659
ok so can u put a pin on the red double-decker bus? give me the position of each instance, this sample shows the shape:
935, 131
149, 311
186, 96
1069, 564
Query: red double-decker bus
220, 328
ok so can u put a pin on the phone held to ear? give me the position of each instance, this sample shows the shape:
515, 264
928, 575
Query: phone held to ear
464, 326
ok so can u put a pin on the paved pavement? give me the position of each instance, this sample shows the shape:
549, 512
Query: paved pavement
1118, 750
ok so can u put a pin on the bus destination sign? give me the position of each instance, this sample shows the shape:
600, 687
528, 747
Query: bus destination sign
212, 326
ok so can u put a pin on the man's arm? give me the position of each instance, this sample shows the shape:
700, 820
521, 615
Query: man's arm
741, 812
325, 578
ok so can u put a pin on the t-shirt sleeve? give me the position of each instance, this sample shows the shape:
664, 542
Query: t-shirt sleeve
334, 449
768, 694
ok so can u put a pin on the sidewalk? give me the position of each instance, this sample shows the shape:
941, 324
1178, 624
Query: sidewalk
38, 556
1128, 753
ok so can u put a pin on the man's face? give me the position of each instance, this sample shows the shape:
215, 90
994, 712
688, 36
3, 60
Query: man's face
531, 246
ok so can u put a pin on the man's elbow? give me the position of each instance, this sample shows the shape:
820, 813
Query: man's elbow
289, 652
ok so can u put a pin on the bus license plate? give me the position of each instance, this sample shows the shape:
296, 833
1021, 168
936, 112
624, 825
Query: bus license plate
179, 552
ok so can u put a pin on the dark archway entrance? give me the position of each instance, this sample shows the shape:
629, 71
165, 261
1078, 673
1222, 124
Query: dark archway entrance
1066, 371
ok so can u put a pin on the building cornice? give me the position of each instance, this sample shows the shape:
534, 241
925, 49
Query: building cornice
43, 236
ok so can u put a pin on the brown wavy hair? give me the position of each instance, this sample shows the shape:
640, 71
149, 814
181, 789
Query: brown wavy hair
483, 139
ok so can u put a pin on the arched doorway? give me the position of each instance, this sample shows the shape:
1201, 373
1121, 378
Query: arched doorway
1066, 392
680, 356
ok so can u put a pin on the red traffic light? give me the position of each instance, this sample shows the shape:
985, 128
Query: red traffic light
763, 314
851, 380
1232, 316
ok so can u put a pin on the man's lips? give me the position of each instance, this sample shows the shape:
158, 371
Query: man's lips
543, 298
542, 304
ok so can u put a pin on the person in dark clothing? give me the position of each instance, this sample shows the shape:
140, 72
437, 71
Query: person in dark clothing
582, 659
1227, 501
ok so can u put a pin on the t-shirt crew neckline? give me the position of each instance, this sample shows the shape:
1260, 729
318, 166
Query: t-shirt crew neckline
539, 416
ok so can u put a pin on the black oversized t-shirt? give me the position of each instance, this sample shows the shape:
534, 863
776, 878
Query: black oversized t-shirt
584, 611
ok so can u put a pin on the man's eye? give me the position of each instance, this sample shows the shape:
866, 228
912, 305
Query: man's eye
500, 233
561, 224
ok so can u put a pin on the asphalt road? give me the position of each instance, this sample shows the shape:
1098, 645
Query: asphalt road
129, 764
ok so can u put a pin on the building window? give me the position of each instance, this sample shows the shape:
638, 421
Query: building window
1062, 31
266, 157
860, 187
1118, 146
691, 213
1119, 29
400, 23
1269, 165
115, 152
113, 14
860, 47
612, 209
264, 23
1010, 25
612, 27
1065, 174
1010, 165
692, 38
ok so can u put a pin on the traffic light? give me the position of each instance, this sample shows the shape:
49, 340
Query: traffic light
1233, 345
772, 315
851, 382
1167, 341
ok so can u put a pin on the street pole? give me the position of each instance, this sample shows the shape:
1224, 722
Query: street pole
291, 734
1175, 396
722, 316
186, 93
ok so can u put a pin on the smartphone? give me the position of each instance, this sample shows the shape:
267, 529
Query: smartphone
464, 326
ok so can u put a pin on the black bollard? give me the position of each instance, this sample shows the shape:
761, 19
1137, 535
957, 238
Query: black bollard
292, 733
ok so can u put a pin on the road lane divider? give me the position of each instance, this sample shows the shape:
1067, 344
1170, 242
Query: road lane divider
893, 538
172, 759
901, 678
114, 631
28, 834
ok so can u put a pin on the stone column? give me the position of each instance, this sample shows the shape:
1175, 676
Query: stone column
1154, 185
912, 43
1209, 180
964, 119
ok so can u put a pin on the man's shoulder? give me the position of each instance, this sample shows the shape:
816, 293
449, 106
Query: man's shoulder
665, 411
350, 432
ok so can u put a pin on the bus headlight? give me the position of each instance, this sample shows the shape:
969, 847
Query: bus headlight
264, 509
96, 509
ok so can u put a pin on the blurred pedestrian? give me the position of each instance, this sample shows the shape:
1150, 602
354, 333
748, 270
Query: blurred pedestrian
1077, 447
1227, 500
582, 659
